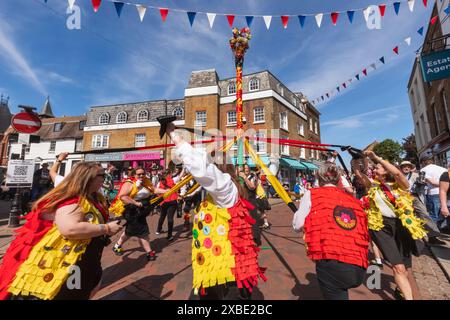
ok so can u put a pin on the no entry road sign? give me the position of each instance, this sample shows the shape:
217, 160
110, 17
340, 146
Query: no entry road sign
26, 122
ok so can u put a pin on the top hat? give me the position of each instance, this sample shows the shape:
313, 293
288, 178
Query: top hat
164, 121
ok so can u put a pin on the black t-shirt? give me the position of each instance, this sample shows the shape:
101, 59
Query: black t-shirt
445, 178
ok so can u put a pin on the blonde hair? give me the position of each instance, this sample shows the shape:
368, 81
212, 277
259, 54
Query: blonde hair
328, 174
76, 184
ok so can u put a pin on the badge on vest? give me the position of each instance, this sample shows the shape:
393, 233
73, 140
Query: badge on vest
344, 217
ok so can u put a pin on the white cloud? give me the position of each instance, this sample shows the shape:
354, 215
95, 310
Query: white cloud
12, 55
389, 115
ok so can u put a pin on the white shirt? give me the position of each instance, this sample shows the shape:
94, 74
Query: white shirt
218, 184
384, 208
58, 180
143, 193
433, 172
302, 211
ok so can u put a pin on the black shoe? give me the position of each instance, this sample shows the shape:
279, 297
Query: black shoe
169, 238
151, 256
374, 262
398, 295
434, 241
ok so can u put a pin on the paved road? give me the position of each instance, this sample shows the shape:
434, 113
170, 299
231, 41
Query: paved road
291, 275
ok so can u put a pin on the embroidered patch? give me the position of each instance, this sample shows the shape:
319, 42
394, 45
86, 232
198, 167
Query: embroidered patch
344, 217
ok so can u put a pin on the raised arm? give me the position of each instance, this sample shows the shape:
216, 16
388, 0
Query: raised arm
55, 167
398, 175
362, 178
218, 184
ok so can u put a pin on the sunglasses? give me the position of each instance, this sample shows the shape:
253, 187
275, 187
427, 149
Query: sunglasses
140, 174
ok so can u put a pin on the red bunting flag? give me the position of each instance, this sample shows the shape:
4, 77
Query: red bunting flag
334, 17
434, 19
163, 13
365, 72
382, 8
284, 20
230, 19
96, 4
396, 49
425, 2
344, 85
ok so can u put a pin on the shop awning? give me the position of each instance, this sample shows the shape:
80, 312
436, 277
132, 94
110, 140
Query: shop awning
250, 162
295, 164
309, 165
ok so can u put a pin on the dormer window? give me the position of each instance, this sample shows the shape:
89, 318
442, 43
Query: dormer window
178, 112
122, 117
254, 84
57, 127
103, 119
231, 88
82, 124
142, 115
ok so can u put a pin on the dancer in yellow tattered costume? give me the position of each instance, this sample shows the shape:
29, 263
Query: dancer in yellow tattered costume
392, 224
223, 251
65, 233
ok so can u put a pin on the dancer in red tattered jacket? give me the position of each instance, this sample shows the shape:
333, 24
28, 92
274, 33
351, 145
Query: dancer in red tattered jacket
336, 235
223, 251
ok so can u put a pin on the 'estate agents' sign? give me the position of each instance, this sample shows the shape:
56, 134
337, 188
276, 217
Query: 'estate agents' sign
436, 65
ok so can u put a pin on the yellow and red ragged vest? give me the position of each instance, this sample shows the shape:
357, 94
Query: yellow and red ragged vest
39, 259
336, 227
400, 202
117, 207
223, 249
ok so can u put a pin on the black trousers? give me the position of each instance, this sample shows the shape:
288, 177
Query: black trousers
335, 278
167, 209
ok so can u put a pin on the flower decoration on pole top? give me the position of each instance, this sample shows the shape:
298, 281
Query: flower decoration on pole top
239, 45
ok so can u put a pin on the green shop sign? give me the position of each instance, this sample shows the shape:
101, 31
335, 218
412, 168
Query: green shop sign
436, 65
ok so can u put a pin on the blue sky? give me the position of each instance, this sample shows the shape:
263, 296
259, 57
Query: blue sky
112, 60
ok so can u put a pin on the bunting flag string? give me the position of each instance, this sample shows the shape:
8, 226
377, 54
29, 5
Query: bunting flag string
334, 15
381, 61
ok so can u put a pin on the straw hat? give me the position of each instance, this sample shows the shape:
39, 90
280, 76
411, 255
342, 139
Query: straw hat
407, 163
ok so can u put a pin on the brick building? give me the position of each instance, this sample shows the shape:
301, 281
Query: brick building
270, 108
429, 100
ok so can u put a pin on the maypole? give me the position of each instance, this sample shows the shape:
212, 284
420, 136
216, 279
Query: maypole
239, 45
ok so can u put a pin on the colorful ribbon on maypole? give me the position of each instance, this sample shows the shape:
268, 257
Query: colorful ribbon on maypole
239, 45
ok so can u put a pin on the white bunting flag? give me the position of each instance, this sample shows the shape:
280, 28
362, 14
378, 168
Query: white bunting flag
71, 3
411, 5
408, 41
319, 19
267, 20
211, 18
374, 66
141, 10
366, 13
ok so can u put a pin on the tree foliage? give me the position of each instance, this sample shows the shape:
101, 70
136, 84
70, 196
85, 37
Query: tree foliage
389, 150
410, 148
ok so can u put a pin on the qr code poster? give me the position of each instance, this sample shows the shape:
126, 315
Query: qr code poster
20, 172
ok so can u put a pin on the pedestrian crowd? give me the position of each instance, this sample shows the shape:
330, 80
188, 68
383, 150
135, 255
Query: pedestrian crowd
388, 210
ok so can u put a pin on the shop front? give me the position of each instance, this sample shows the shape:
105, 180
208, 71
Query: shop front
124, 160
